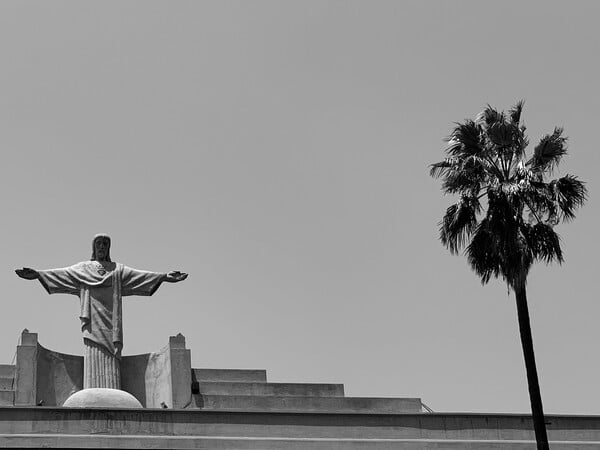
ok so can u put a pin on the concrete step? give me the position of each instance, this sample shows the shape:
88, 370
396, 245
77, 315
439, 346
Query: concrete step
7, 398
273, 389
230, 375
362, 405
6, 384
7, 370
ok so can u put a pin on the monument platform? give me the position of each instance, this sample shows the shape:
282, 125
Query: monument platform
185, 407
50, 427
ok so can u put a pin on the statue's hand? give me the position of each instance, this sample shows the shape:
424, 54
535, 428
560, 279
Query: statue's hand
175, 276
27, 273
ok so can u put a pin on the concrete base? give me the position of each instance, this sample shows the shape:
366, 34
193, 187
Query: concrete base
46, 427
102, 398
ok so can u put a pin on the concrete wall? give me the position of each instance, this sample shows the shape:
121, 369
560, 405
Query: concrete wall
58, 376
26, 370
142, 428
181, 372
162, 379
48, 378
148, 378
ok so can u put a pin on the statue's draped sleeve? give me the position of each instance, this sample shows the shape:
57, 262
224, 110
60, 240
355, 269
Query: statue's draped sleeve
140, 282
68, 280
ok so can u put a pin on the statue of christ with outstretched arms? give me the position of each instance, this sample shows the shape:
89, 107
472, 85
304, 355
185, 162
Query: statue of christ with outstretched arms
100, 285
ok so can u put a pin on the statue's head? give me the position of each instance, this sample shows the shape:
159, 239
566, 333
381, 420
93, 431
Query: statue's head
101, 247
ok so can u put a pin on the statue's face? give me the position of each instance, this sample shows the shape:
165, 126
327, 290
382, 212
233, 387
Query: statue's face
101, 246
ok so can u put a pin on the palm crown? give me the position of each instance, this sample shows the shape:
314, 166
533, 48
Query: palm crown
508, 208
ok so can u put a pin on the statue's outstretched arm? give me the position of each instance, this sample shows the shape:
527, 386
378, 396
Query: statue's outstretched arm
27, 273
55, 281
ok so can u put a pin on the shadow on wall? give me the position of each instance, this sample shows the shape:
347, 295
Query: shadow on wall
148, 378
58, 376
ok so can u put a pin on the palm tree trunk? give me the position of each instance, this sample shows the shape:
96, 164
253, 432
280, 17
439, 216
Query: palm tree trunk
535, 397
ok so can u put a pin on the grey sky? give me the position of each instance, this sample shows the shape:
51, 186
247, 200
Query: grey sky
278, 151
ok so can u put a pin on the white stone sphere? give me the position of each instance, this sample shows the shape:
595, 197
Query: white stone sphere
102, 398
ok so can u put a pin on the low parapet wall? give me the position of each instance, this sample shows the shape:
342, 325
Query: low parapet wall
103, 428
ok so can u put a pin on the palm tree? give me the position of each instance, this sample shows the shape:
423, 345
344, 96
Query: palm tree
507, 211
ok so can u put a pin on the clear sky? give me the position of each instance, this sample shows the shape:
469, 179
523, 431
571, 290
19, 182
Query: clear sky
278, 151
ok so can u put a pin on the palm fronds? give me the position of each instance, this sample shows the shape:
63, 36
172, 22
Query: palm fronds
489, 116
483, 252
459, 222
515, 112
569, 194
543, 243
548, 152
486, 158
465, 140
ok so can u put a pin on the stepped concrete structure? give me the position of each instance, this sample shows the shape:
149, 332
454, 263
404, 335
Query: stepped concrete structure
184, 407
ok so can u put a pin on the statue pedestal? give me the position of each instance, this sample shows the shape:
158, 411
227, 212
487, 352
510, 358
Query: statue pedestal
157, 380
102, 398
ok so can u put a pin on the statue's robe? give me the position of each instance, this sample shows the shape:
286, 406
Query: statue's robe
100, 290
